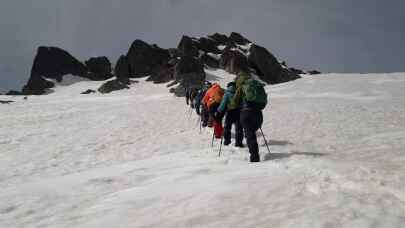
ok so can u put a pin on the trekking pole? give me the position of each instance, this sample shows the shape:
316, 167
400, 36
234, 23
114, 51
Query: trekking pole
265, 141
190, 112
200, 123
212, 141
220, 146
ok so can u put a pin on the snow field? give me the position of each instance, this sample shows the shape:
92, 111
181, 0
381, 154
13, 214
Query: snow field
135, 158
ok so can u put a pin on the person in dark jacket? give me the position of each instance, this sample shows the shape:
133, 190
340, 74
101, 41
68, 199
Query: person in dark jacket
232, 117
199, 108
251, 117
190, 95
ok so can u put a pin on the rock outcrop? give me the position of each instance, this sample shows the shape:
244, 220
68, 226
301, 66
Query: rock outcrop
143, 58
99, 68
122, 69
112, 85
162, 75
188, 47
234, 61
267, 66
52, 63
189, 72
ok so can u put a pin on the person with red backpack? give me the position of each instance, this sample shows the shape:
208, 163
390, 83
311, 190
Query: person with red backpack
211, 100
251, 98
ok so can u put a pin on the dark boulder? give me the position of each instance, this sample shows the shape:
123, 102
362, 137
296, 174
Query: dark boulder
189, 72
122, 69
99, 68
188, 47
238, 39
219, 38
37, 85
112, 85
14, 93
314, 72
208, 45
209, 61
52, 63
144, 58
89, 91
162, 75
234, 61
268, 67
6, 102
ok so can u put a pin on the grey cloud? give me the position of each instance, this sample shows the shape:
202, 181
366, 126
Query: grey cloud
333, 36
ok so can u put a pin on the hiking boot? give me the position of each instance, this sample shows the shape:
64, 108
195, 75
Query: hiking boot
240, 145
254, 158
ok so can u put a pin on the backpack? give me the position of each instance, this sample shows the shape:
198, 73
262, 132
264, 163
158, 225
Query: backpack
216, 96
255, 93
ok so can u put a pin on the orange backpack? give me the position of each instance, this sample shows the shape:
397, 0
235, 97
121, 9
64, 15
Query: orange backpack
216, 94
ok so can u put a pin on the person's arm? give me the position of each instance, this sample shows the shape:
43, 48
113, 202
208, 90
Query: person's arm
224, 103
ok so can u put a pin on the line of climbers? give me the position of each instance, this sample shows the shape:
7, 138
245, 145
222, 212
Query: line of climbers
241, 104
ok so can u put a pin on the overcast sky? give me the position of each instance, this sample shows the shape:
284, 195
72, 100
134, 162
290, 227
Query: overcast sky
329, 35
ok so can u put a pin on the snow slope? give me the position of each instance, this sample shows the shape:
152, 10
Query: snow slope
135, 158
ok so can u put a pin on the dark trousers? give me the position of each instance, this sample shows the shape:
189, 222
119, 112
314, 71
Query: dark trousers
204, 115
252, 120
233, 117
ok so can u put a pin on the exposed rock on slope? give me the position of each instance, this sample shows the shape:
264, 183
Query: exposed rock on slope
99, 68
144, 58
122, 69
188, 47
111, 86
184, 64
189, 72
52, 63
268, 67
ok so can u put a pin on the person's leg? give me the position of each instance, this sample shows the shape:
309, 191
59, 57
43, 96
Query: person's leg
249, 123
227, 128
204, 116
238, 130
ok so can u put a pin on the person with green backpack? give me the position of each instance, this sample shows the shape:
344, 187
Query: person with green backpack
251, 98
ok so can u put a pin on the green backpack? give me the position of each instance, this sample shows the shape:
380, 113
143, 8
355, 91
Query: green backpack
254, 92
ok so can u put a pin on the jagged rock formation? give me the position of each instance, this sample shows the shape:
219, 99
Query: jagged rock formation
99, 68
189, 72
238, 39
143, 58
122, 69
233, 60
209, 60
184, 65
268, 67
162, 75
188, 47
51, 63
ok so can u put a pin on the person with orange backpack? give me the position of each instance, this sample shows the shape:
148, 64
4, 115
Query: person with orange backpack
211, 101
